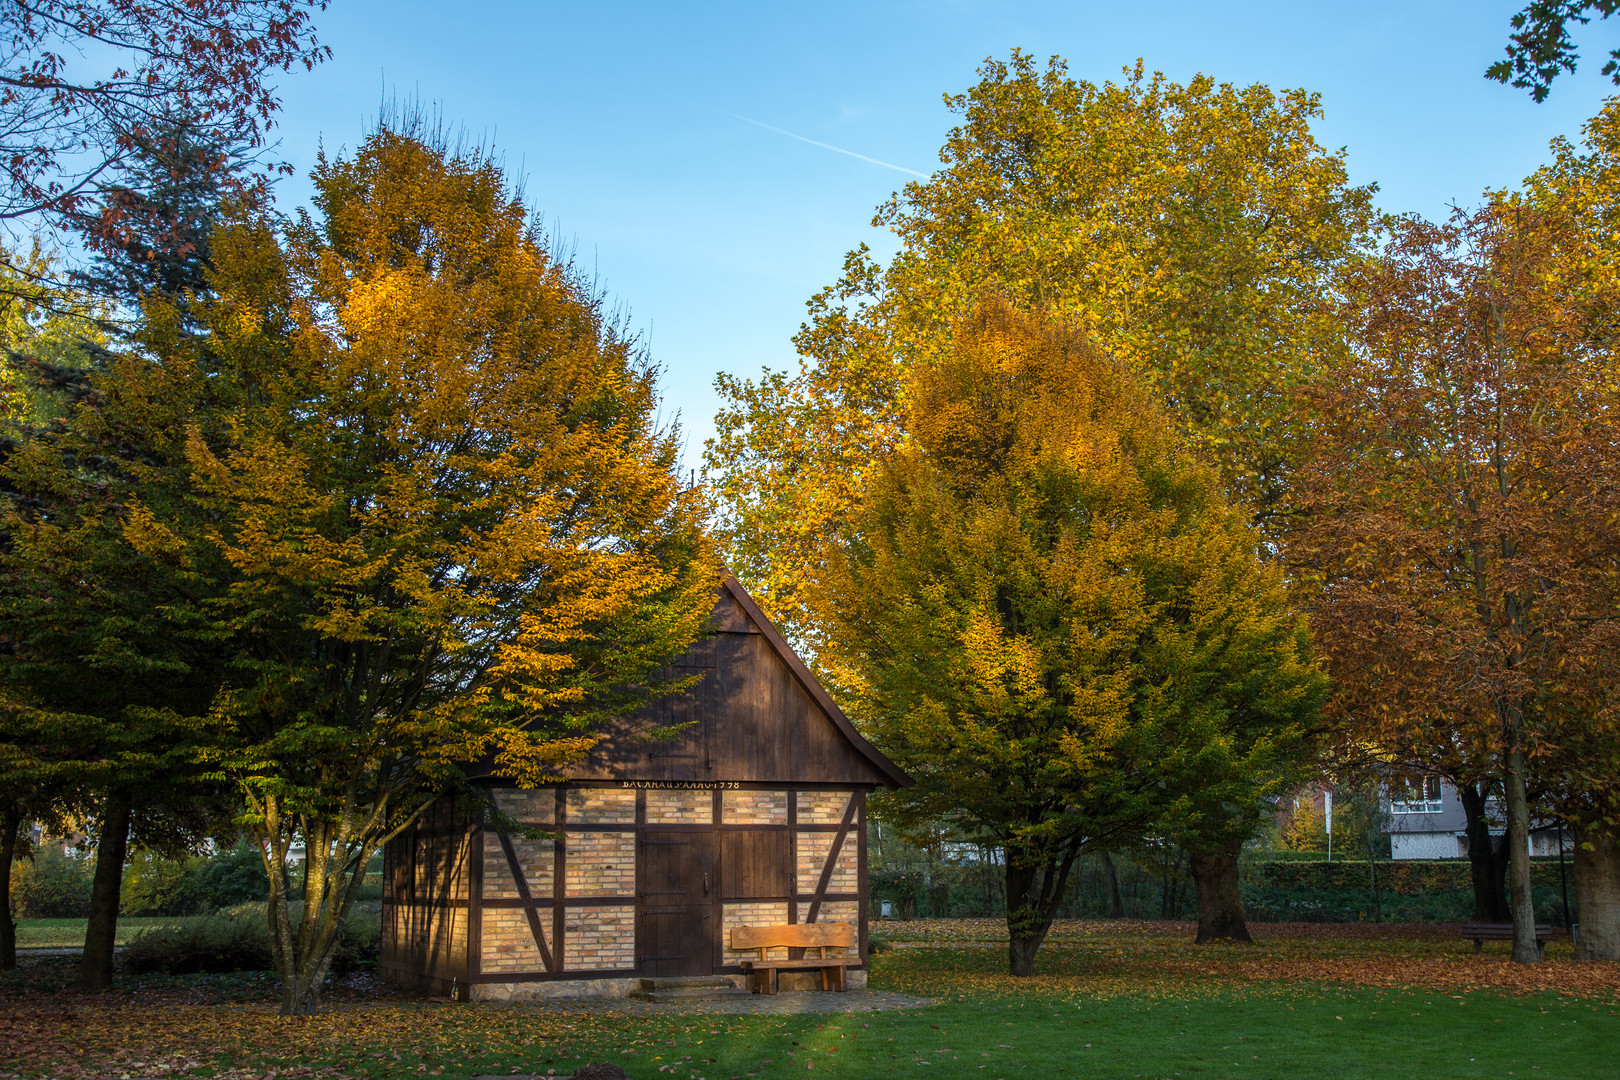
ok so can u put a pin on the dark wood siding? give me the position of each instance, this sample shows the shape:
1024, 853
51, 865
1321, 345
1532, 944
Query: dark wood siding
756, 863
762, 725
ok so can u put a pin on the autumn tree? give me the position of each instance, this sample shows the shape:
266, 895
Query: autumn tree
1048, 614
421, 505
1463, 508
1581, 187
1195, 232
89, 82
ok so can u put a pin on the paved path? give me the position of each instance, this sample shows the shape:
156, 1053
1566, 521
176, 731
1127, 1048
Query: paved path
788, 1002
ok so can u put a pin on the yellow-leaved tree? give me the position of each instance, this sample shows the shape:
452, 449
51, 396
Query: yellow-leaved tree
1050, 616
412, 486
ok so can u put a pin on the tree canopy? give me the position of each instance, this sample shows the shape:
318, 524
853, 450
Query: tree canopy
409, 485
1462, 507
1540, 48
89, 81
1195, 232
1048, 614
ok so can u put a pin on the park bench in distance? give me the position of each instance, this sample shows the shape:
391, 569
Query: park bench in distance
1481, 932
818, 936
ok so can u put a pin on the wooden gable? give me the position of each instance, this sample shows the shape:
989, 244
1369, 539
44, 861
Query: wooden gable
757, 716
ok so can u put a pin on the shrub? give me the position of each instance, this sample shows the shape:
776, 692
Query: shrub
229, 878
52, 885
238, 939
157, 885
192, 885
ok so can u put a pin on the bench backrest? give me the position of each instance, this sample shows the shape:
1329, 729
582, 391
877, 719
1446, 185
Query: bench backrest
794, 936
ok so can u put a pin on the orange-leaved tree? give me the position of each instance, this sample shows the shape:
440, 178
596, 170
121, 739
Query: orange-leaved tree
1581, 185
1464, 509
412, 480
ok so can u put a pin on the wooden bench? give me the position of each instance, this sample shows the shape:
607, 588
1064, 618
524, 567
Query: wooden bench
1481, 932
819, 936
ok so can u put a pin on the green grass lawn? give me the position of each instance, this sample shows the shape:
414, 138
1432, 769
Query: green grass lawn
1316, 1033
65, 933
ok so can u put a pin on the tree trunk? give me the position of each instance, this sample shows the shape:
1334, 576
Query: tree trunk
95, 966
1525, 949
1487, 857
10, 823
1597, 893
1220, 900
1116, 903
1034, 886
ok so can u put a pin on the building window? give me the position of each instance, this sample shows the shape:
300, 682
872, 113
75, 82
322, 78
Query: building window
1420, 796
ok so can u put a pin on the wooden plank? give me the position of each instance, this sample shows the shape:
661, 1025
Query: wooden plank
832, 856
870, 758
865, 901
755, 864
475, 907
832, 935
559, 877
730, 618
793, 854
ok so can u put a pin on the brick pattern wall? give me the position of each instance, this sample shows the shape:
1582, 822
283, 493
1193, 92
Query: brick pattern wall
750, 914
535, 858
680, 807
532, 807
600, 864
822, 807
601, 806
813, 849
508, 943
599, 938
844, 911
754, 808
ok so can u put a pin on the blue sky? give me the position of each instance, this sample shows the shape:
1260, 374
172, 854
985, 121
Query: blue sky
713, 231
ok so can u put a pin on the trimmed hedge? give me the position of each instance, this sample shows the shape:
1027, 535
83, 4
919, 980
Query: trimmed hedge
1415, 877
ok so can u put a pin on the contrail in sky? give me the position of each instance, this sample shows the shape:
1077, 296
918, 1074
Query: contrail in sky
827, 146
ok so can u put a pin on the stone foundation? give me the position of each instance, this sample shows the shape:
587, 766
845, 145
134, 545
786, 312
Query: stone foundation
854, 979
554, 988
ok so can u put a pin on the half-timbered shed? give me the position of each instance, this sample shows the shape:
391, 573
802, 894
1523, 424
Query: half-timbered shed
754, 815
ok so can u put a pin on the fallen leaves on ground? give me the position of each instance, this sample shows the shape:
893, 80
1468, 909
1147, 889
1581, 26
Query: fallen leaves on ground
226, 1026
961, 957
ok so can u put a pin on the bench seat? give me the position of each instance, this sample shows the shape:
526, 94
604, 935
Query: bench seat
819, 936
1479, 933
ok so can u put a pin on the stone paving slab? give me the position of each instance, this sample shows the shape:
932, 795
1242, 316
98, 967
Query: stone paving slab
788, 1002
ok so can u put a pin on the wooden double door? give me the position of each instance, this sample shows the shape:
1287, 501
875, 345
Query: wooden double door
677, 932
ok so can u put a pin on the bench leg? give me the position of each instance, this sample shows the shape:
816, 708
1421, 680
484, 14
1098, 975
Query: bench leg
839, 978
1479, 945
